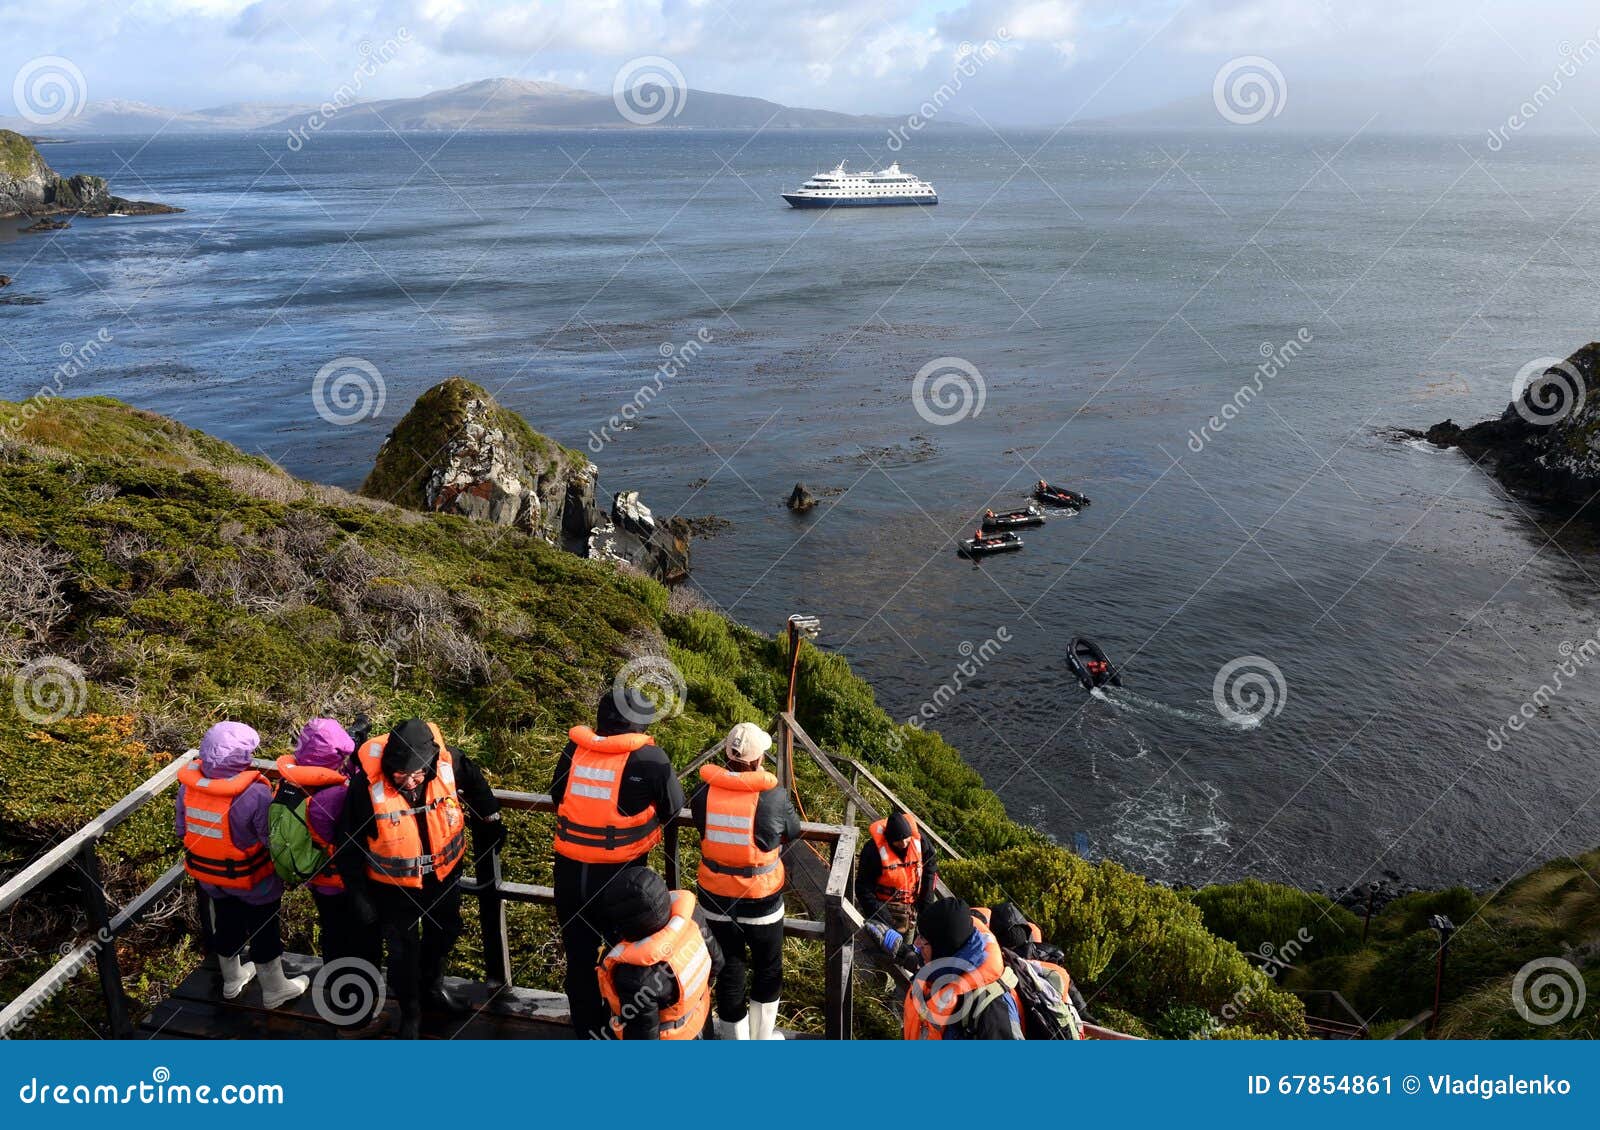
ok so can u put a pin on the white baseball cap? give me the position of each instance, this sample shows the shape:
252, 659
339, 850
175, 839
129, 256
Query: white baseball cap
747, 742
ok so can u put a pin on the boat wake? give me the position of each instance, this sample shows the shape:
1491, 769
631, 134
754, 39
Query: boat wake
1135, 703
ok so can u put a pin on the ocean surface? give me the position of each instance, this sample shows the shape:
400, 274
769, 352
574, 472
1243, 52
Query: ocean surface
1110, 292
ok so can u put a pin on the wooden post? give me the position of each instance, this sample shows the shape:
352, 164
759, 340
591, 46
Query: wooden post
98, 910
839, 942
669, 844
492, 921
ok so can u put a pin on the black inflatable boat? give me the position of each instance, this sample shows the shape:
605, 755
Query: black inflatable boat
1059, 496
1013, 519
983, 545
1090, 665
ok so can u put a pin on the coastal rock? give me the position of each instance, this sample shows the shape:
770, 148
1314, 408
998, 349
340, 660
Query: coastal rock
459, 452
800, 499
1545, 446
5, 280
46, 225
30, 187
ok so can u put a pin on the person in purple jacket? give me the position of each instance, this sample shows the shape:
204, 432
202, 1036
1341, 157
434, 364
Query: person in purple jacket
321, 766
222, 820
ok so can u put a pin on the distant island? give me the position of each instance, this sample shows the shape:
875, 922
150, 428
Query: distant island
504, 104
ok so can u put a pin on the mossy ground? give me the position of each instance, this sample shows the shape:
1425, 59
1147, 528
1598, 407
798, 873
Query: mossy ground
18, 157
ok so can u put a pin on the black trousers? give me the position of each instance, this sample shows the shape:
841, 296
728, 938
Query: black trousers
234, 926
420, 927
749, 953
341, 934
585, 930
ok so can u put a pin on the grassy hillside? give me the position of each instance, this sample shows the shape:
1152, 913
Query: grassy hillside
190, 583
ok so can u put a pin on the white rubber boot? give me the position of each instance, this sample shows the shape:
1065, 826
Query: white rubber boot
236, 974
733, 1029
764, 1020
276, 989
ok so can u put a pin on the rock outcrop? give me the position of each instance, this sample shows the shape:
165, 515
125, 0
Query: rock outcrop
30, 187
459, 452
800, 499
1546, 444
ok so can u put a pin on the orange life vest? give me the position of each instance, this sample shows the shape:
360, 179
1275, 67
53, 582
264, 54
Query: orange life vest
731, 865
929, 1009
396, 853
312, 779
901, 878
589, 826
210, 854
680, 945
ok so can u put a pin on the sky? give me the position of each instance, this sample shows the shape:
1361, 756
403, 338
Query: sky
1441, 62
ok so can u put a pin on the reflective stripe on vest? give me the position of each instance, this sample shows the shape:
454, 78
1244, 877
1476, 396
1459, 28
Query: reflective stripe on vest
590, 827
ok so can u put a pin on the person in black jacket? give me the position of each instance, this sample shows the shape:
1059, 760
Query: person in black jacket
911, 874
745, 819
646, 790
954, 947
420, 924
639, 905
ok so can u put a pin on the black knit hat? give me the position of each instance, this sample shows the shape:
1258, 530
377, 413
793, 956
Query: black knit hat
410, 747
637, 902
623, 710
947, 926
897, 828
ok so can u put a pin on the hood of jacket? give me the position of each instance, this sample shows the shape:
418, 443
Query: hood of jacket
324, 744
227, 748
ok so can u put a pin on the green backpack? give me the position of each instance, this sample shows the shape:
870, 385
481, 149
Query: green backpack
295, 855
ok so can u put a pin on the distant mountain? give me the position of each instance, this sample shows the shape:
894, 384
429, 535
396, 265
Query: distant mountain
122, 117
489, 104
515, 104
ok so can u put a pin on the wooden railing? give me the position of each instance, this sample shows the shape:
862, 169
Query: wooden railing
79, 853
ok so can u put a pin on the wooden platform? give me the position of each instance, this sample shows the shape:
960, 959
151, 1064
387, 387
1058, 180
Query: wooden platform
196, 1011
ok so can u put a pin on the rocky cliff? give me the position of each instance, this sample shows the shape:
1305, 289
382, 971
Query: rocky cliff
1546, 444
30, 187
457, 451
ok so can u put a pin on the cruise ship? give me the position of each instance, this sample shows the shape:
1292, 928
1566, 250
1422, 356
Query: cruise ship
841, 189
